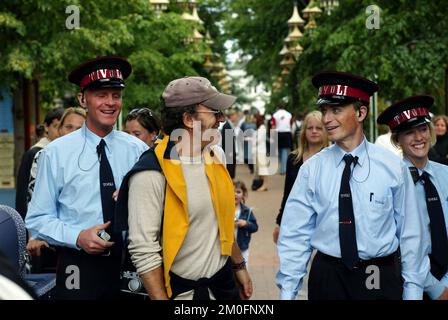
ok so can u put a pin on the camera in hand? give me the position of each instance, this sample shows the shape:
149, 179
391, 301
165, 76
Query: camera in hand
132, 283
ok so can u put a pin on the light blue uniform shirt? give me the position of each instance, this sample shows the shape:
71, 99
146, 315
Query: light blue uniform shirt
67, 197
382, 192
438, 174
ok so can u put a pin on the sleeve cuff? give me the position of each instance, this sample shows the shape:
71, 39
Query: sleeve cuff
412, 292
287, 295
71, 237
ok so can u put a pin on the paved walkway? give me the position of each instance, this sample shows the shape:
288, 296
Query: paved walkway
263, 259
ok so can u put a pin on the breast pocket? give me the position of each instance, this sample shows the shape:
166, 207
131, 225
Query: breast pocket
380, 214
381, 202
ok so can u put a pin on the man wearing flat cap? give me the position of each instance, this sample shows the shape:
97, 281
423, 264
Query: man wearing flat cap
72, 205
182, 187
354, 203
412, 131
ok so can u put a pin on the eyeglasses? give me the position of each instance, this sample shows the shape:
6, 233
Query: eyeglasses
217, 113
140, 111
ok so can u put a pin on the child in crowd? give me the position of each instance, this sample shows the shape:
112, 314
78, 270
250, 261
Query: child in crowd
245, 221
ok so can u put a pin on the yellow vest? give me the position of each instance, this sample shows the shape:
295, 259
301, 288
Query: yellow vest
175, 218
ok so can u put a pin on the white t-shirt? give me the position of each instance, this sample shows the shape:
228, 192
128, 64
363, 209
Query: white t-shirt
282, 120
384, 141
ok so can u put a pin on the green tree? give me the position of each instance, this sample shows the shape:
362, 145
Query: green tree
406, 55
37, 45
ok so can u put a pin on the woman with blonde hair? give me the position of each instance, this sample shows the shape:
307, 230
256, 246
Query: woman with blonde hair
412, 131
312, 139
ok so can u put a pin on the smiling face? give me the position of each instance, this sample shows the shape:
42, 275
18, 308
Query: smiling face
103, 106
343, 124
415, 143
209, 123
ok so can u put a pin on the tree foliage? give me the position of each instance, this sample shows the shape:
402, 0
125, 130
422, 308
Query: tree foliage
37, 45
407, 55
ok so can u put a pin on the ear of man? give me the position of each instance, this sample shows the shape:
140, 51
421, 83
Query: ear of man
362, 113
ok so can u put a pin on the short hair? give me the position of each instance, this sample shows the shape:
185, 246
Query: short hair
395, 135
146, 118
172, 117
40, 130
72, 110
52, 114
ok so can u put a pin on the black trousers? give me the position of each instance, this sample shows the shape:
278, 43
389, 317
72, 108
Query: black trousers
231, 168
81, 276
330, 279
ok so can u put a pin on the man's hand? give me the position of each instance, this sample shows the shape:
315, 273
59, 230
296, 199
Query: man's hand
444, 295
33, 247
244, 283
90, 242
275, 233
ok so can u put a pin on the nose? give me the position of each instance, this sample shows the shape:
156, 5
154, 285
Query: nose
418, 136
110, 100
326, 118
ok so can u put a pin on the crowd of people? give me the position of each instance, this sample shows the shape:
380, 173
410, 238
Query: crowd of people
165, 193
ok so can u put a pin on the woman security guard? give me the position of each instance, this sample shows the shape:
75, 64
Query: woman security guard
412, 131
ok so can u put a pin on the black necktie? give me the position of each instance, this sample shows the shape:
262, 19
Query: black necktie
107, 184
347, 232
439, 239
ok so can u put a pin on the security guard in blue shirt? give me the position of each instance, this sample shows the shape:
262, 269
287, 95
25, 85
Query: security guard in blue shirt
78, 175
412, 131
349, 203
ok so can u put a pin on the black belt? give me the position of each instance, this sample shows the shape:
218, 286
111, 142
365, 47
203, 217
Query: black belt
380, 261
222, 284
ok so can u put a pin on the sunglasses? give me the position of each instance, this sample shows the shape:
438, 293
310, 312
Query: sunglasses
217, 113
140, 111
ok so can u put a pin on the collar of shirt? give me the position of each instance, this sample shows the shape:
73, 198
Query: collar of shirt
429, 168
359, 151
94, 140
